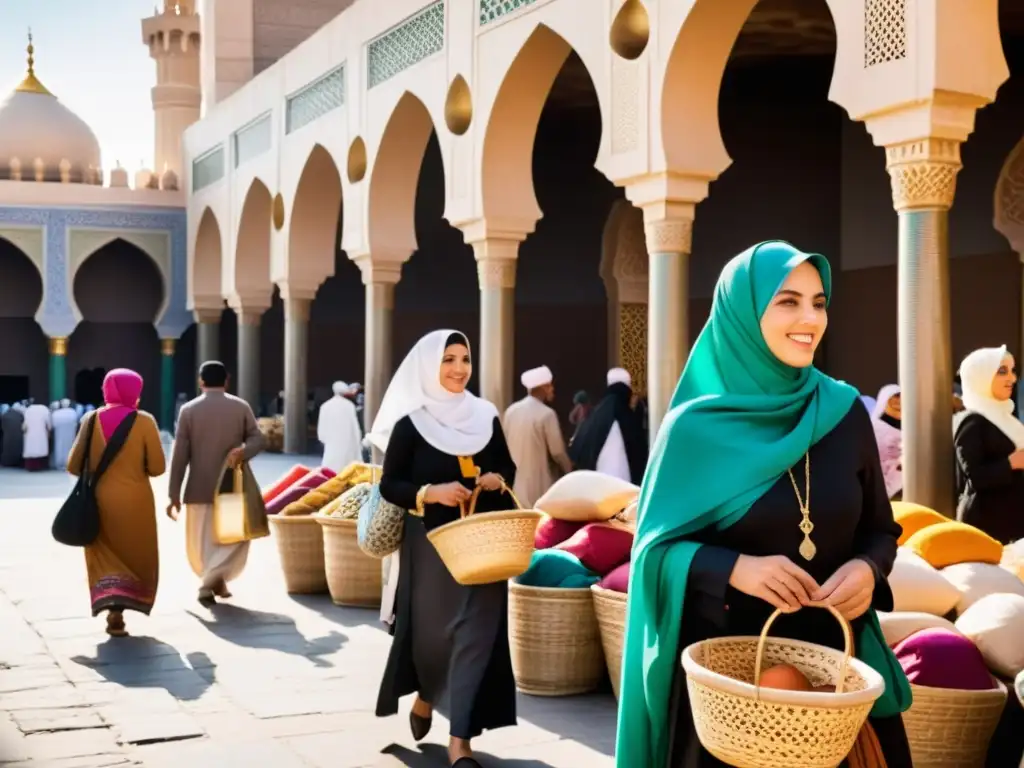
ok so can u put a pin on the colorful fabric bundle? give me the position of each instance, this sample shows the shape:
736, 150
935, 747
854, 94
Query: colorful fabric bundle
320, 496
282, 484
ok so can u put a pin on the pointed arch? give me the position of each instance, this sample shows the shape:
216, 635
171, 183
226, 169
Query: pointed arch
119, 282
313, 236
206, 274
21, 290
252, 245
395, 178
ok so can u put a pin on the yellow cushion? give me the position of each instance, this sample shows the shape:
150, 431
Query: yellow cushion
951, 542
914, 517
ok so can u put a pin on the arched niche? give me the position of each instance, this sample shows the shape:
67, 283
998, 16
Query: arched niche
206, 277
84, 244
252, 245
23, 364
1008, 201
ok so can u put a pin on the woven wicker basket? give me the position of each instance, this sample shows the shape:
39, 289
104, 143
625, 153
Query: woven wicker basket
487, 548
747, 726
300, 543
610, 609
353, 577
949, 728
554, 640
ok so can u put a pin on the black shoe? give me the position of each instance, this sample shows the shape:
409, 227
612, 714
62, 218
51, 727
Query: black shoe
420, 726
466, 762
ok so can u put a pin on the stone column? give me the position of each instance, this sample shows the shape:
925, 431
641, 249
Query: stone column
380, 280
296, 345
923, 175
207, 335
496, 270
669, 232
167, 347
58, 368
248, 382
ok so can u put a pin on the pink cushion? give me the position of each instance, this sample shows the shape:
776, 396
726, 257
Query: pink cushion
551, 532
296, 491
285, 482
938, 658
599, 547
617, 580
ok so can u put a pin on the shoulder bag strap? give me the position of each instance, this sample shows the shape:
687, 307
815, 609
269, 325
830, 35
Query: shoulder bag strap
86, 472
114, 445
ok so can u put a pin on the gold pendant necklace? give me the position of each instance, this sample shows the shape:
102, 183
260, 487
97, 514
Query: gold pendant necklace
807, 549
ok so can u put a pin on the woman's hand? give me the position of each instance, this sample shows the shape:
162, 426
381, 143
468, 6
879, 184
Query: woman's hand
1017, 459
448, 495
490, 481
850, 589
776, 580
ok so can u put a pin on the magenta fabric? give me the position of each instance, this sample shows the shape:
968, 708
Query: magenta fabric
300, 488
551, 532
617, 580
938, 658
121, 391
600, 548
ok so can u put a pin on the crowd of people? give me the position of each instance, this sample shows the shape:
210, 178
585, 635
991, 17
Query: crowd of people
35, 437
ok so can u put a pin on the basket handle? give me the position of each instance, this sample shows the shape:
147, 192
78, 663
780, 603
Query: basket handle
847, 650
476, 496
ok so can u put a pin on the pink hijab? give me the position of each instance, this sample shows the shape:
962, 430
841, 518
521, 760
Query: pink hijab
121, 391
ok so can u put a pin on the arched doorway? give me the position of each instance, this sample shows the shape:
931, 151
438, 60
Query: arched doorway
119, 291
24, 362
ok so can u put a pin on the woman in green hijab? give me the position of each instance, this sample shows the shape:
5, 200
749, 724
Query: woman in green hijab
763, 491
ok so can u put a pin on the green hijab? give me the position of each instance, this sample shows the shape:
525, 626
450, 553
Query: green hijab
739, 419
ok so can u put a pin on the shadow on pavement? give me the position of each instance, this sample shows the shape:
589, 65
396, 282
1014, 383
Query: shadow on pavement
436, 756
261, 630
344, 616
145, 662
589, 720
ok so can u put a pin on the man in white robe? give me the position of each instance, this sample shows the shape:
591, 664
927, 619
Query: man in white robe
338, 430
37, 426
65, 426
535, 438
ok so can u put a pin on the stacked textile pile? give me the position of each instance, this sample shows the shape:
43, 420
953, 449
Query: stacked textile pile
956, 628
560, 636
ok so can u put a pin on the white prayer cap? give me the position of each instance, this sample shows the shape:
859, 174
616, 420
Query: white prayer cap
619, 376
536, 377
65, 403
340, 387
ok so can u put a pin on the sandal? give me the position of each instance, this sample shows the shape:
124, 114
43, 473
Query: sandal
115, 624
206, 597
221, 590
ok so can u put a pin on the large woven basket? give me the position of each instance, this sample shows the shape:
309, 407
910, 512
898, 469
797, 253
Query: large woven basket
610, 609
489, 547
300, 543
353, 578
747, 726
554, 640
950, 728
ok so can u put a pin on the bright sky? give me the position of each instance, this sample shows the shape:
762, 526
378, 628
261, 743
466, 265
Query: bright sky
90, 55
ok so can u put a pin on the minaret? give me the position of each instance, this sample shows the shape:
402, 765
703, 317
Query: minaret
173, 39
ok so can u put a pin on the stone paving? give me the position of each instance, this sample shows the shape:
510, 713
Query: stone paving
264, 679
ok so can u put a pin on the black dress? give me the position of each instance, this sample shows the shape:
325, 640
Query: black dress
991, 492
852, 518
450, 641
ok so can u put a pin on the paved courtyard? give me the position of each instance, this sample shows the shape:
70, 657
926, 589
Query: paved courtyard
262, 680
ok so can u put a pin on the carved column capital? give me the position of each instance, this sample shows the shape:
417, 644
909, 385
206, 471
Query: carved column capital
210, 316
496, 262
387, 271
923, 173
297, 309
167, 347
673, 235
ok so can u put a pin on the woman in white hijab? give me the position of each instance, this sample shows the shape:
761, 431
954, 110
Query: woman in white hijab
886, 420
989, 442
450, 642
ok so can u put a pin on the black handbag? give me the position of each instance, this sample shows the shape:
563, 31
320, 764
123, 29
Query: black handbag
78, 522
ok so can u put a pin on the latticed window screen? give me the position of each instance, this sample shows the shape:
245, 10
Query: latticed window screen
410, 42
208, 168
885, 31
316, 99
252, 140
491, 10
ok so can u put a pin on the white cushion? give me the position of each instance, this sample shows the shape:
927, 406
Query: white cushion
587, 496
899, 625
917, 586
996, 625
977, 580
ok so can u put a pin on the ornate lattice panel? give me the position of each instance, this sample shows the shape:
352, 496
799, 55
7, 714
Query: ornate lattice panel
208, 168
885, 31
492, 10
410, 42
318, 98
633, 344
252, 140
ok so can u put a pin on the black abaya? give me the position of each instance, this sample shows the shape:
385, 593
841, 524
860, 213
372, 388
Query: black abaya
852, 518
592, 434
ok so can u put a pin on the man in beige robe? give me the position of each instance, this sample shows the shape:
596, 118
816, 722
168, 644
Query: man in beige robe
214, 429
535, 437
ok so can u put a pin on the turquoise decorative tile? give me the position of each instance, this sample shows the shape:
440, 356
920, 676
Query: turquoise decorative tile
324, 94
492, 10
208, 168
253, 139
410, 42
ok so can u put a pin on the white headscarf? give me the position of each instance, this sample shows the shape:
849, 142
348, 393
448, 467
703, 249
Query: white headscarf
457, 424
339, 388
882, 401
976, 374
